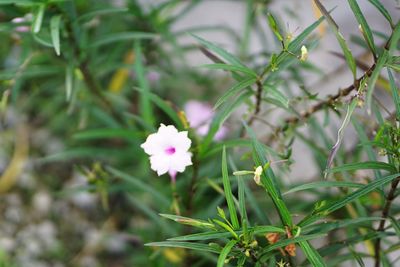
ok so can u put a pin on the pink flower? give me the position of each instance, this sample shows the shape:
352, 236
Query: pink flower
168, 150
200, 116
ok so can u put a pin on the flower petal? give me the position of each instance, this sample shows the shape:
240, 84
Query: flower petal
180, 161
160, 164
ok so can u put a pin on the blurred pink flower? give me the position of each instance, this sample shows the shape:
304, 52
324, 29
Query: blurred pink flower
200, 115
153, 76
168, 150
22, 29
22, 20
18, 20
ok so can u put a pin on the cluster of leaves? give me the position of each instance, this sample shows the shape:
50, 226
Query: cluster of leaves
73, 52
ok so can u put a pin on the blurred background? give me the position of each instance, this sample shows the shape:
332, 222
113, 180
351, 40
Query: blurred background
76, 189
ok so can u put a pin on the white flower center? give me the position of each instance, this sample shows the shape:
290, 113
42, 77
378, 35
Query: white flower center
170, 150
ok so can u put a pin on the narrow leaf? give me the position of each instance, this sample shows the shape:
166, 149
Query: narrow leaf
366, 30
234, 90
395, 93
233, 68
187, 245
374, 77
329, 208
219, 234
296, 44
99, 12
139, 184
285, 242
121, 36
55, 33
69, 81
383, 10
220, 118
369, 165
312, 255
228, 192
144, 103
224, 253
268, 180
219, 51
342, 42
323, 184
275, 94
37, 21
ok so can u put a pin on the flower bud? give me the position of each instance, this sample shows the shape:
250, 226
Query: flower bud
272, 238
304, 53
291, 249
257, 175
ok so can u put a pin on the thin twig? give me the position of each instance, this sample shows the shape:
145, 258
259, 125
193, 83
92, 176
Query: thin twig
192, 186
258, 102
329, 102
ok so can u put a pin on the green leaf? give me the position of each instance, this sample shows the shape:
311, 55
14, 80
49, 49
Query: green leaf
396, 225
366, 30
220, 235
144, 103
202, 236
275, 94
38, 18
121, 36
274, 27
285, 242
55, 33
394, 39
99, 12
374, 77
326, 227
228, 192
368, 165
189, 221
42, 41
187, 245
342, 42
368, 147
224, 253
312, 255
69, 81
395, 93
151, 214
220, 52
164, 106
296, 44
329, 208
383, 10
323, 184
219, 119
232, 68
18, 2
242, 199
106, 133
234, 90
227, 228
142, 185
268, 180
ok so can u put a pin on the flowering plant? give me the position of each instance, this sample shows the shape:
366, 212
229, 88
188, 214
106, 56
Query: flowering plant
168, 150
118, 148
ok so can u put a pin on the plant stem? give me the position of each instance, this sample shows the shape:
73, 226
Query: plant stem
385, 214
258, 102
192, 186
